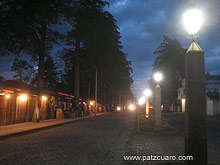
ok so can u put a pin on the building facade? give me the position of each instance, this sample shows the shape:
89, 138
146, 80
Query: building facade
212, 99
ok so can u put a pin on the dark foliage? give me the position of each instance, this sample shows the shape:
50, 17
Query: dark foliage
170, 61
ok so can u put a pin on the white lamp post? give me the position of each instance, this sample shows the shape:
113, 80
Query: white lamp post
158, 77
147, 93
195, 118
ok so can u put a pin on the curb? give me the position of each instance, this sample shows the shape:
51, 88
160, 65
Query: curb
159, 134
44, 127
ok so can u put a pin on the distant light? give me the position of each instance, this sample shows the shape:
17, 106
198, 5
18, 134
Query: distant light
147, 92
118, 108
158, 77
131, 107
23, 97
44, 98
8, 96
141, 101
193, 20
91, 103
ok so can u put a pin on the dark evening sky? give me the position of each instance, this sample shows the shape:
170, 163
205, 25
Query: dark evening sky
142, 24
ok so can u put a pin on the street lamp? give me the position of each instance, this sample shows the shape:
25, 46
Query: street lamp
195, 118
23, 97
147, 93
158, 77
193, 20
141, 100
44, 98
8, 96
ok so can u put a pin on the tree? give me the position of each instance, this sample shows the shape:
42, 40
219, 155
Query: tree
95, 40
51, 75
23, 70
28, 27
170, 61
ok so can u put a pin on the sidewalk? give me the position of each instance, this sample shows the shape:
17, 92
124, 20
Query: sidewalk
22, 128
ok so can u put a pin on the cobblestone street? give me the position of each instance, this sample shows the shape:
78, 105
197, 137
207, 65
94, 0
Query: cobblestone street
99, 140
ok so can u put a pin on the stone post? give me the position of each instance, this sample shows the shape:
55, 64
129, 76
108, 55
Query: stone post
195, 118
158, 105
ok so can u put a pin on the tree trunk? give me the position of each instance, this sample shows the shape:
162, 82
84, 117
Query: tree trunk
41, 64
76, 87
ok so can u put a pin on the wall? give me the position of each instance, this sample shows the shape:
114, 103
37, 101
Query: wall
183, 105
212, 107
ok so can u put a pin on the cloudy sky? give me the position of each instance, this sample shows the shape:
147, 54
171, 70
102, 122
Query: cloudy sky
142, 24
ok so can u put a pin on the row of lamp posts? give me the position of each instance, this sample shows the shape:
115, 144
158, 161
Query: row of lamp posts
195, 116
147, 93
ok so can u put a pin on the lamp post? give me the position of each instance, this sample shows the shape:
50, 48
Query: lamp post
96, 82
147, 93
158, 77
195, 118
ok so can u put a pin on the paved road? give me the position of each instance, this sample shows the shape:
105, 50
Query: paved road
101, 140
177, 120
98, 140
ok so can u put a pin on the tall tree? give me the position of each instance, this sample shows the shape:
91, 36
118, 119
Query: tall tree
28, 27
51, 75
96, 34
170, 61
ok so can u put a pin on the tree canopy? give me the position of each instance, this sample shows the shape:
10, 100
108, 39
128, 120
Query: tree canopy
100, 47
83, 28
27, 27
170, 61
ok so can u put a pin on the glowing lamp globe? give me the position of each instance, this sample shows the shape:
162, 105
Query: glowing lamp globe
131, 107
23, 97
7, 96
193, 20
158, 77
44, 98
141, 100
147, 92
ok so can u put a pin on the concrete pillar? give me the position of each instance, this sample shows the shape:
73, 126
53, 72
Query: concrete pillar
158, 105
195, 119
